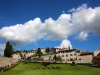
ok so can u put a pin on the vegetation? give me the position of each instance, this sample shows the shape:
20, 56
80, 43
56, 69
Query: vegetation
55, 57
73, 63
25, 61
52, 69
47, 49
58, 58
19, 53
8, 50
39, 52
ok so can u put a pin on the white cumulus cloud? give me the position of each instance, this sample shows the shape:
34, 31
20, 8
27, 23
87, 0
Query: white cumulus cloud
21, 34
65, 44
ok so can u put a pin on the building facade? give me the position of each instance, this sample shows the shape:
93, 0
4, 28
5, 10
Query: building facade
69, 55
86, 57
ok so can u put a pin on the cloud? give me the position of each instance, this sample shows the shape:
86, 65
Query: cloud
2, 47
86, 19
21, 34
82, 20
33, 30
56, 29
82, 36
64, 44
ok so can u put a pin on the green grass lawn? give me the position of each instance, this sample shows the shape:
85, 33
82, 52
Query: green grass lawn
37, 69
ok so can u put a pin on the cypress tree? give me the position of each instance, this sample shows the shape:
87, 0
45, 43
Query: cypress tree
8, 50
48, 49
39, 52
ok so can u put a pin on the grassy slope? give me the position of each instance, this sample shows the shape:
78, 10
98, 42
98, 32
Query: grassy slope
28, 69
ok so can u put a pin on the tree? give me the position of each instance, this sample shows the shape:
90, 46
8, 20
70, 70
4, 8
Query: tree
58, 58
8, 50
19, 52
47, 50
55, 57
39, 52
12, 49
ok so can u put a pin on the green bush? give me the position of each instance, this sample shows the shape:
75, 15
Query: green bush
1, 69
44, 67
73, 63
53, 67
26, 62
58, 67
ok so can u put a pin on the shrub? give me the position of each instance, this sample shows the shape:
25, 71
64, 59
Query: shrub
73, 63
49, 68
53, 67
58, 67
26, 62
1, 69
44, 67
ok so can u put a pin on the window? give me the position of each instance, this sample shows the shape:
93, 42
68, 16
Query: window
62, 55
66, 55
67, 59
74, 54
75, 58
71, 55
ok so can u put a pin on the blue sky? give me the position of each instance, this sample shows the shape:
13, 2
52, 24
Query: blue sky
30, 24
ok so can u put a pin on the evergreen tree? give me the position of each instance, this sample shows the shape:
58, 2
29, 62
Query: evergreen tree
8, 50
48, 49
55, 57
39, 52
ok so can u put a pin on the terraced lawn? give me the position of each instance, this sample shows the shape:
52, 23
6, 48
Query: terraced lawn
52, 69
